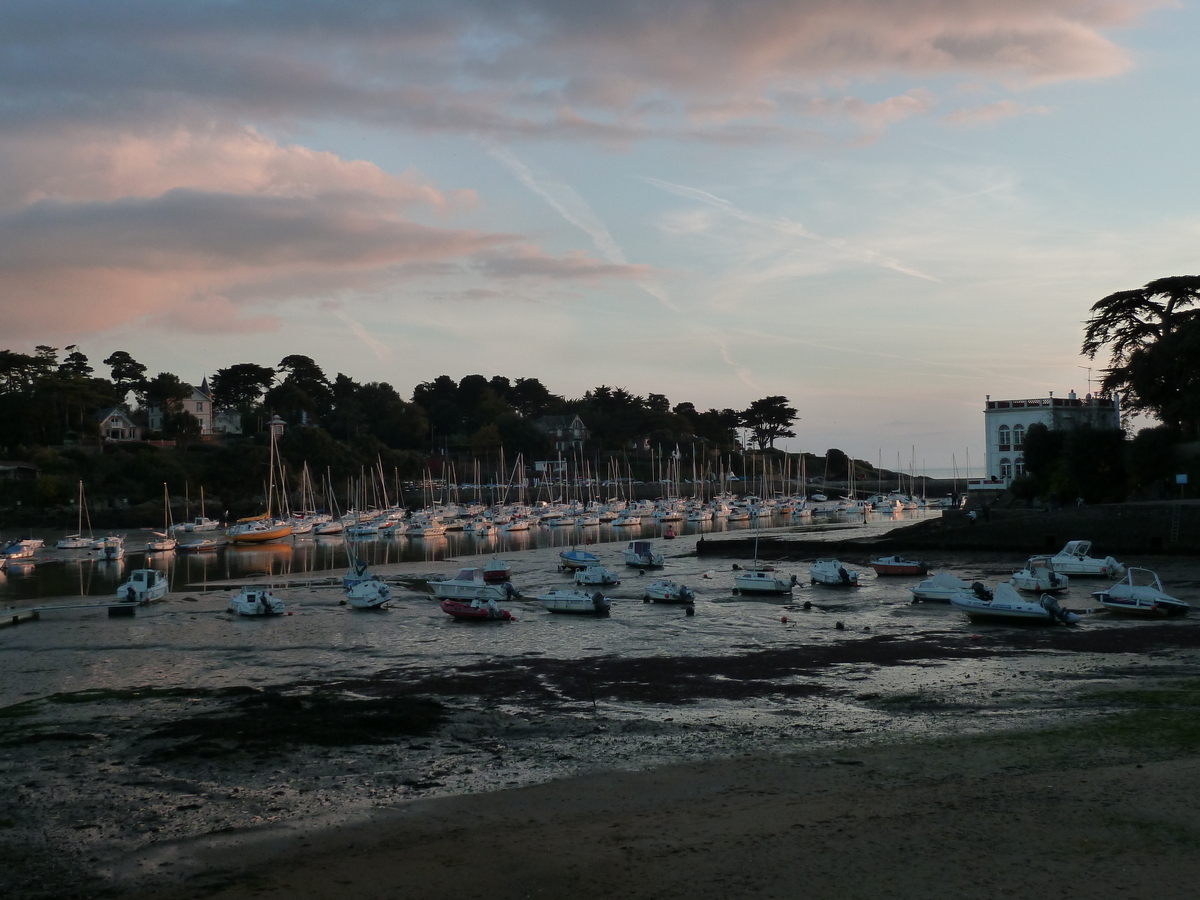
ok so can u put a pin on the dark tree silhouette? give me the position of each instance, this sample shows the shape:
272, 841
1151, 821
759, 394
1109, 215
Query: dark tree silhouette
1152, 335
769, 419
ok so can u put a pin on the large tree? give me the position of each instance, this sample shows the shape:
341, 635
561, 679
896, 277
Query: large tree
240, 386
1152, 335
769, 419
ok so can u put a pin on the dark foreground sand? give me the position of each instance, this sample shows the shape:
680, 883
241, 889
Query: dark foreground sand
1013, 816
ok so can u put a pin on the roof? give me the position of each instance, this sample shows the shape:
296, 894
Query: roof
103, 414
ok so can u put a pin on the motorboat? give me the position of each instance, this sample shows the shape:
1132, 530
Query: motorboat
897, 565
476, 611
1005, 604
1039, 577
21, 548
763, 580
938, 588
643, 555
369, 594
469, 584
597, 575
110, 548
255, 601
576, 559
1073, 559
1141, 594
573, 601
143, 586
667, 591
832, 573
496, 571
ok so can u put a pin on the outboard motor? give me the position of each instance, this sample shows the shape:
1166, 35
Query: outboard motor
1057, 612
843, 574
509, 590
981, 592
795, 581
599, 603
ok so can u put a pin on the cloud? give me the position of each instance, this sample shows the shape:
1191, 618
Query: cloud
615, 72
533, 263
992, 112
199, 230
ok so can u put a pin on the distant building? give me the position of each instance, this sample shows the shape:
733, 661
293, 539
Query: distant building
1006, 422
116, 426
13, 470
568, 432
198, 405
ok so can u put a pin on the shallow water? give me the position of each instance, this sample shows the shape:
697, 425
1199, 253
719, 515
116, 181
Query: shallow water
67, 573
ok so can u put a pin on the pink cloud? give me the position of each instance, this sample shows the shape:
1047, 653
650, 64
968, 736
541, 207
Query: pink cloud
612, 72
992, 112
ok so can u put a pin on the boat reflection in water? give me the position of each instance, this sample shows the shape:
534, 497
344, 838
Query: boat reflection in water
68, 574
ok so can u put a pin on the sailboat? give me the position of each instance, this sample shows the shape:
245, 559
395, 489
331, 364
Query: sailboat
264, 528
77, 541
163, 542
201, 522
760, 578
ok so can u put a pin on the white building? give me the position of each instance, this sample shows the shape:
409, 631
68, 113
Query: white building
1006, 421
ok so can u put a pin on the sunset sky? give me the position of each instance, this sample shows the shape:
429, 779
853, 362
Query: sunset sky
883, 209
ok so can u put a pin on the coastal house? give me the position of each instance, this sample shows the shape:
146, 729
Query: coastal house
116, 426
1006, 421
567, 432
213, 421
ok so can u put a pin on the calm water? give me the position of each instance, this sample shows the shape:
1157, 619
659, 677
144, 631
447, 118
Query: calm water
71, 573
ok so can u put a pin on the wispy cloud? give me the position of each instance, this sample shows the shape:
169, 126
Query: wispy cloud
845, 249
567, 202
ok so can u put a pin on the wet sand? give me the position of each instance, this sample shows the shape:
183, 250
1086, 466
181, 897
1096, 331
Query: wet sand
908, 755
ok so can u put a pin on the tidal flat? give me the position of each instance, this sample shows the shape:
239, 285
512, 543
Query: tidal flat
186, 752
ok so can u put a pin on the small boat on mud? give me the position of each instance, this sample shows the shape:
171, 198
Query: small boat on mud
1141, 594
254, 601
496, 571
143, 586
199, 545
369, 594
576, 559
938, 588
476, 611
1073, 559
596, 575
579, 602
469, 585
831, 573
643, 555
1039, 577
1004, 604
896, 565
667, 591
762, 579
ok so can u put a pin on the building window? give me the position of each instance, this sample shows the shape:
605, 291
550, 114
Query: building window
199, 407
1004, 435
1005, 468
1020, 465
1018, 436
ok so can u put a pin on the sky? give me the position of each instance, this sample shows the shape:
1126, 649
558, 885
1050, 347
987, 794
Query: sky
884, 210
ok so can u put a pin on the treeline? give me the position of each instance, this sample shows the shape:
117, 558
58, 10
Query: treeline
49, 403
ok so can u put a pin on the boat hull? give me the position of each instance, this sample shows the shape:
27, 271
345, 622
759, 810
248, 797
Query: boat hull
467, 612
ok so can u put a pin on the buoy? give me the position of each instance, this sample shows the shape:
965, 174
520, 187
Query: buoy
840, 626
808, 604
783, 619
289, 612
866, 628
690, 611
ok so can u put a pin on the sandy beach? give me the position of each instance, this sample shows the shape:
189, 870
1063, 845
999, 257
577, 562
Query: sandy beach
754, 749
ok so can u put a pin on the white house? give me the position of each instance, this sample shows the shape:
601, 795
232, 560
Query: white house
1006, 421
199, 404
